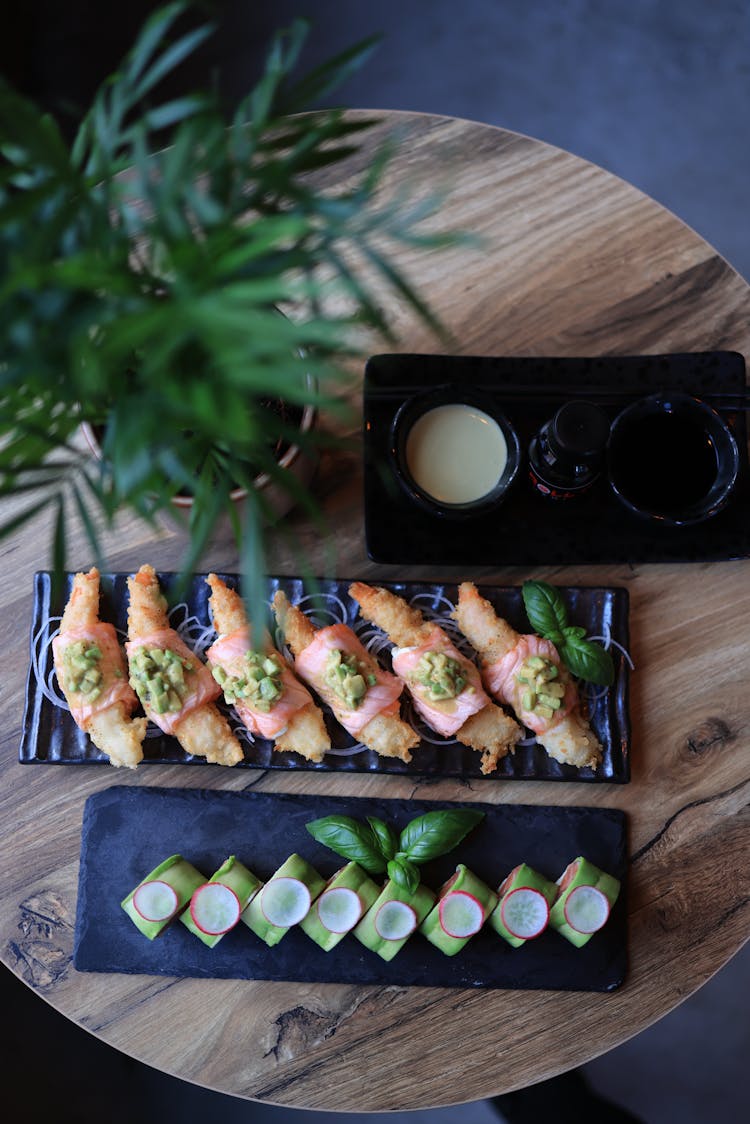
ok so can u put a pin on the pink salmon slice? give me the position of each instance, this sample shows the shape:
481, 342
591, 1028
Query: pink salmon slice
381, 698
501, 681
449, 715
202, 687
115, 688
228, 652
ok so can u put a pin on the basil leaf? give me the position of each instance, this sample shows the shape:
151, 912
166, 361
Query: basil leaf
434, 833
545, 608
404, 874
573, 632
351, 839
588, 661
386, 837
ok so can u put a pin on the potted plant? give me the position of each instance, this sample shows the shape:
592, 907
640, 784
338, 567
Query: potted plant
173, 274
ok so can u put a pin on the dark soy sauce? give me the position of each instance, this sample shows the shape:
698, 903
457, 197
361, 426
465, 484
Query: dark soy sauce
665, 463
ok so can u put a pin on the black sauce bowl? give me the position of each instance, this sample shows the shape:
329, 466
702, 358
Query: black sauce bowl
449, 395
705, 433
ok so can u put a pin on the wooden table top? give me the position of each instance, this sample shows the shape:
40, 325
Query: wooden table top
574, 262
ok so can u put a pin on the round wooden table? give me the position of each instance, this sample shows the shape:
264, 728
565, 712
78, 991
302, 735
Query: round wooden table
573, 262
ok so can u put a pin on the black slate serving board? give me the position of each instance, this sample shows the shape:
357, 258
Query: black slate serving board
50, 735
527, 528
127, 831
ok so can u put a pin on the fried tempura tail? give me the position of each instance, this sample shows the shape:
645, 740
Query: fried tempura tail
389, 736
118, 735
404, 625
82, 609
493, 733
306, 734
572, 742
226, 606
298, 631
488, 634
205, 732
147, 611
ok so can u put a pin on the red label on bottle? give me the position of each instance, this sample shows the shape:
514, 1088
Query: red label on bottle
552, 493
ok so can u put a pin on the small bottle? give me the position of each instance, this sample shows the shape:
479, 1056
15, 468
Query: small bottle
566, 456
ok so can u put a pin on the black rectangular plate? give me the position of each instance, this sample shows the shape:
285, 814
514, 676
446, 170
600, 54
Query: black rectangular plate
527, 528
127, 831
50, 735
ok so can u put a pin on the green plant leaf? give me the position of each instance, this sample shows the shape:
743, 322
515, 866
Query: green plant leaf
171, 58
435, 833
89, 526
350, 839
282, 57
171, 112
11, 525
58, 549
330, 75
253, 564
151, 35
404, 874
386, 837
402, 286
142, 276
545, 608
588, 661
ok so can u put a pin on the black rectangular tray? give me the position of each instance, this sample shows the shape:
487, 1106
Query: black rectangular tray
127, 831
527, 528
50, 735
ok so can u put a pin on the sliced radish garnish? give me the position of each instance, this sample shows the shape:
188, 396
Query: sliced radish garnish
339, 909
215, 908
461, 914
285, 901
586, 909
395, 920
524, 913
155, 901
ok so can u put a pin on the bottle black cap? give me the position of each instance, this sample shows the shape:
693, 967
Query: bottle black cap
580, 430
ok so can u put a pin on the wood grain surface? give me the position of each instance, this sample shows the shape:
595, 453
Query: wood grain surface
573, 262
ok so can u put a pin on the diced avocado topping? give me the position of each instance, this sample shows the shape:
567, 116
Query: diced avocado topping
442, 675
543, 693
157, 675
347, 678
82, 672
259, 682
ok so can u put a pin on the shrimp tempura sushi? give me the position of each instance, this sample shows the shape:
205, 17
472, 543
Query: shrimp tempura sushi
362, 695
527, 674
177, 690
91, 671
268, 698
445, 685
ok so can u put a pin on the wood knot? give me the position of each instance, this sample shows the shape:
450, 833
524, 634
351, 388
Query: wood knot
42, 955
298, 1030
711, 734
671, 912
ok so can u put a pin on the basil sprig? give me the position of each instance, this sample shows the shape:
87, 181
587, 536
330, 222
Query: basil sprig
377, 847
354, 840
548, 616
434, 833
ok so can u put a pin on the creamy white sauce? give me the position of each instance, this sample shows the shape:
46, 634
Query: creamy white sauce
456, 453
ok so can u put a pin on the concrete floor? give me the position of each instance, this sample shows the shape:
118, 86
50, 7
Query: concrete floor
657, 93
